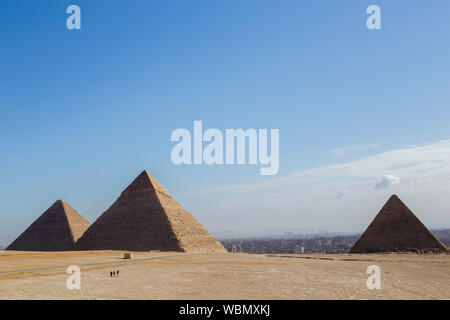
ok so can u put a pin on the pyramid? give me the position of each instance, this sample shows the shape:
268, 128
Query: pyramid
57, 229
145, 217
396, 228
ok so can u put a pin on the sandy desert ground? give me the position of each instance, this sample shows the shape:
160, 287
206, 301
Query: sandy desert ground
168, 275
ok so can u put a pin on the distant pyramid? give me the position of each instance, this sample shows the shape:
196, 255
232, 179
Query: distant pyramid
145, 217
396, 228
57, 229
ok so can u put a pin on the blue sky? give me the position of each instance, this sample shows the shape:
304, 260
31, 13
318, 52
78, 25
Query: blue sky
82, 112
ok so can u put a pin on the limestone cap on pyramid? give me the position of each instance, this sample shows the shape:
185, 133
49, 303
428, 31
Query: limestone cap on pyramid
145, 181
396, 228
57, 229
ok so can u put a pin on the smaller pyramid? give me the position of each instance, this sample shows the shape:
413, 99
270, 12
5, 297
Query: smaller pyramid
396, 228
57, 229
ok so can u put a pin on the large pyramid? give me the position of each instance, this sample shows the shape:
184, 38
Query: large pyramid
57, 229
145, 217
396, 228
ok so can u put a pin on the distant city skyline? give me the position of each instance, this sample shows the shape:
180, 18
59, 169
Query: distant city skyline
362, 114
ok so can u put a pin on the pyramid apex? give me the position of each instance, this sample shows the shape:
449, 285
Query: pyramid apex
145, 181
59, 202
394, 200
63, 204
145, 174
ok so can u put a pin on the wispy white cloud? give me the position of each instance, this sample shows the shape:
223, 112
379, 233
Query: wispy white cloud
418, 163
387, 181
340, 197
346, 151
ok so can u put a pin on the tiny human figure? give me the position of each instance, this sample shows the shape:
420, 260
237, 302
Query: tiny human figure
114, 273
117, 272
110, 274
